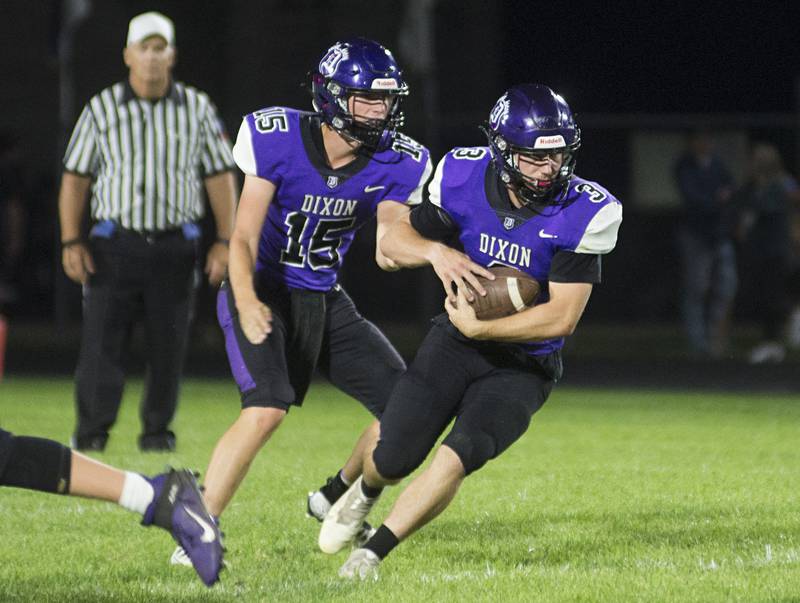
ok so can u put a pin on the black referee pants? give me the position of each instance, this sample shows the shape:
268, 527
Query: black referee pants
136, 278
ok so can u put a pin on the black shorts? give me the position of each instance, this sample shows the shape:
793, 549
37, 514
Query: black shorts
5, 449
309, 330
491, 393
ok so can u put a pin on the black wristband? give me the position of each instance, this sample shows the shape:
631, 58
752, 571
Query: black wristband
71, 242
225, 242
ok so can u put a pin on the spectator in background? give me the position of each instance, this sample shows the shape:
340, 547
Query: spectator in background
145, 146
767, 200
706, 245
793, 326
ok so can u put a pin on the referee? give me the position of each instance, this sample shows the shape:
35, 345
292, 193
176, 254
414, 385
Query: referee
144, 147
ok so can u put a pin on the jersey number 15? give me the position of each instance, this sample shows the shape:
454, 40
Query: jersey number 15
323, 247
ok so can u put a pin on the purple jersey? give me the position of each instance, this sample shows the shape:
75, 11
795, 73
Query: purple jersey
492, 236
316, 210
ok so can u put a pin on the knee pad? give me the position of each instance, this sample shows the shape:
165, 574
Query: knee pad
394, 462
38, 464
474, 449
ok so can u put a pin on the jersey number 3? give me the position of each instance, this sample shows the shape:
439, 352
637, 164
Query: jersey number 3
323, 247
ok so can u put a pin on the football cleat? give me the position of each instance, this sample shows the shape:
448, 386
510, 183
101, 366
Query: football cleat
179, 557
345, 520
767, 352
178, 507
318, 506
362, 564
364, 534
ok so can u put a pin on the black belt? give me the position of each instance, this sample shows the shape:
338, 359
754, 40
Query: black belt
105, 229
151, 236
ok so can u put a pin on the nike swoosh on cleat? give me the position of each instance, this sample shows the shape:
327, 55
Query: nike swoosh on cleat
546, 235
369, 189
208, 532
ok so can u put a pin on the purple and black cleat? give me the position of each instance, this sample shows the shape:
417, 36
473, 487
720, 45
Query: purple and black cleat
179, 508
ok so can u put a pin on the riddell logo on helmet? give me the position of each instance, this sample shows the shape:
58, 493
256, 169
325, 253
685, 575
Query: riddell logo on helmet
384, 83
549, 142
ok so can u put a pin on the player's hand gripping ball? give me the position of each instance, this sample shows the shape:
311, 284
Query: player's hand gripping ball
510, 292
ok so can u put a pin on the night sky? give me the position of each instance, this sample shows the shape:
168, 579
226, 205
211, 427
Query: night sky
658, 56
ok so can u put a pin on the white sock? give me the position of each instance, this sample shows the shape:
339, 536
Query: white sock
137, 493
345, 481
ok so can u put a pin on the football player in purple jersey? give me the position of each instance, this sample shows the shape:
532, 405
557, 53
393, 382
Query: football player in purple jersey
312, 179
170, 500
515, 202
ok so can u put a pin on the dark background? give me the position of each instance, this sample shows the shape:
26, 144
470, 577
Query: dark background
625, 68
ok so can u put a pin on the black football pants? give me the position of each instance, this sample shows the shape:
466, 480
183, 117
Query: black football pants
136, 278
309, 329
490, 397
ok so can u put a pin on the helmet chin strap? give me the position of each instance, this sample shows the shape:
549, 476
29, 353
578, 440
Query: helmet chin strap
365, 145
514, 189
538, 203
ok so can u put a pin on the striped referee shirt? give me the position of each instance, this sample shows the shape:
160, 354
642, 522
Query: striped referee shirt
148, 158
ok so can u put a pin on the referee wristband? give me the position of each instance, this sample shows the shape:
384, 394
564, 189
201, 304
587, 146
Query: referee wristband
222, 241
71, 242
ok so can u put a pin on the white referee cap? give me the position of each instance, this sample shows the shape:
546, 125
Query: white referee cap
150, 24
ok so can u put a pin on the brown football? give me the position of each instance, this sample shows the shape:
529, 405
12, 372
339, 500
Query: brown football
510, 292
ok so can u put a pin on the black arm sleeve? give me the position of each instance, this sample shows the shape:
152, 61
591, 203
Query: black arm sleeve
571, 267
432, 222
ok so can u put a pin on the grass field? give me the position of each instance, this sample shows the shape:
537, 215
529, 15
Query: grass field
610, 496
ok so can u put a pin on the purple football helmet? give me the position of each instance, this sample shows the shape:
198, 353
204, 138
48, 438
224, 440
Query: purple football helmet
359, 66
532, 120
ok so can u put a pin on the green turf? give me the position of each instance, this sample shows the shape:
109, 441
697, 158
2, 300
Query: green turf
610, 496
